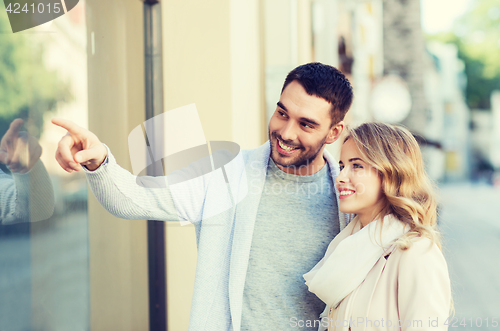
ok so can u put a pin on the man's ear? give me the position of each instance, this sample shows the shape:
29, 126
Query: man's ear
335, 132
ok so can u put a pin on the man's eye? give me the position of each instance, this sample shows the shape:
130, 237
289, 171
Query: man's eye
282, 114
305, 125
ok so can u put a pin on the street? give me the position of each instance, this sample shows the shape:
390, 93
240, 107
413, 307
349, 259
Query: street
470, 225
44, 277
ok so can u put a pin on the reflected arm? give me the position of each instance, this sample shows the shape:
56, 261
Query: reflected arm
26, 197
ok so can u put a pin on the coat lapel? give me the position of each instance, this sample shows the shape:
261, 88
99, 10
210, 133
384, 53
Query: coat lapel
246, 211
363, 297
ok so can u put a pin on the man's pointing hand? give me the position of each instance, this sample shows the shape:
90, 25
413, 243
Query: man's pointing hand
78, 146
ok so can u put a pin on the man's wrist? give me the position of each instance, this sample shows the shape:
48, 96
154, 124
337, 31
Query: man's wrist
94, 167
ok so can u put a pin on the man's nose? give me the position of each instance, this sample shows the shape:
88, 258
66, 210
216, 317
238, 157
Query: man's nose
288, 132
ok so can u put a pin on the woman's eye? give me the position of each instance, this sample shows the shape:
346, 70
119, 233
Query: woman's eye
355, 165
341, 167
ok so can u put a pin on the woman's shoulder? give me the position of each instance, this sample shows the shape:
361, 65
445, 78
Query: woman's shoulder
418, 246
421, 245
422, 254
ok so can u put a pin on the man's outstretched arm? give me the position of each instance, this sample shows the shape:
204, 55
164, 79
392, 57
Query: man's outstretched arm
120, 192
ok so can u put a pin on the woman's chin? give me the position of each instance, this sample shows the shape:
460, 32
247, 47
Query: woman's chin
347, 210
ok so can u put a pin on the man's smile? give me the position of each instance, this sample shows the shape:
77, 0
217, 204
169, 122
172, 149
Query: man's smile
284, 148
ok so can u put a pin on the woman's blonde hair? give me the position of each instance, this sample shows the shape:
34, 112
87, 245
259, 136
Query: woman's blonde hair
410, 197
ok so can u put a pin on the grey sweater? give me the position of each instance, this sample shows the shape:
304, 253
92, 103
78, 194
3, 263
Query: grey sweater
296, 220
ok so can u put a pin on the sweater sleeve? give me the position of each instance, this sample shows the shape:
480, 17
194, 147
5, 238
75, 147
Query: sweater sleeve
424, 292
198, 191
130, 197
26, 197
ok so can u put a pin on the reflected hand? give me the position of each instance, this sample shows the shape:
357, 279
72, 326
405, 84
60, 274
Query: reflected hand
78, 146
19, 150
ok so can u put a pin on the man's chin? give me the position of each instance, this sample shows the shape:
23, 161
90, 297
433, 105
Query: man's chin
282, 161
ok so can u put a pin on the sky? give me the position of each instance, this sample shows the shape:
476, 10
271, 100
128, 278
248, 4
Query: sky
438, 15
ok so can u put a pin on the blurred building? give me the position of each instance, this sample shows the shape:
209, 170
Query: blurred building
381, 41
404, 50
485, 142
495, 138
447, 125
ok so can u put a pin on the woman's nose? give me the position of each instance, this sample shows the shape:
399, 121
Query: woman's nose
341, 177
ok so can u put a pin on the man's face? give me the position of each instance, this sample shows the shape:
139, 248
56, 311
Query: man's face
299, 129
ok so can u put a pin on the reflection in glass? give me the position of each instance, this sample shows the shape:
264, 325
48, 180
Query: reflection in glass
26, 194
44, 277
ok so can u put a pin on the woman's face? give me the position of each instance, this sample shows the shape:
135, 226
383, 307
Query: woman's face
359, 185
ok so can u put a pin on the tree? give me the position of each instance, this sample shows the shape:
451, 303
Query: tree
477, 36
27, 88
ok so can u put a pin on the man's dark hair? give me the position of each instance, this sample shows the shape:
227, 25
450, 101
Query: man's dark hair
325, 82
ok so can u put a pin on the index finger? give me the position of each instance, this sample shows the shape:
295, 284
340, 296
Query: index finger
70, 126
14, 128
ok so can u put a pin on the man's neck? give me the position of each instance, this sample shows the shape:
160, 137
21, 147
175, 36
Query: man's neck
305, 170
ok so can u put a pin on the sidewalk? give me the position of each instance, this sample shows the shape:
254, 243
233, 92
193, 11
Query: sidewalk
470, 224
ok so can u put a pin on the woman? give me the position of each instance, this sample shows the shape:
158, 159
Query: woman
385, 270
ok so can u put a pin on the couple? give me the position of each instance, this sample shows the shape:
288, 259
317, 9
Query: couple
282, 257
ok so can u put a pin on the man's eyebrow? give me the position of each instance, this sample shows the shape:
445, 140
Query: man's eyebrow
303, 119
282, 106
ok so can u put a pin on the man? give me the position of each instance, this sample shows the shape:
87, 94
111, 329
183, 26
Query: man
249, 273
